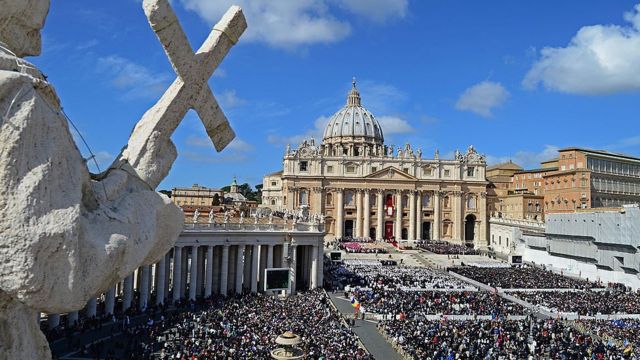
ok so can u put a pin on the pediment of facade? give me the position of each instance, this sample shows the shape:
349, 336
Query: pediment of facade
390, 173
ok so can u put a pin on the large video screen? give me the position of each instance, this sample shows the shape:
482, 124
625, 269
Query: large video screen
336, 256
276, 279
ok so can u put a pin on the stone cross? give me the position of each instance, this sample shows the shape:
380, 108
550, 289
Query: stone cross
150, 139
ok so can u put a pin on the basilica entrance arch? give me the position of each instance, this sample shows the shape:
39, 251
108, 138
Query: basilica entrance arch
348, 228
469, 229
388, 230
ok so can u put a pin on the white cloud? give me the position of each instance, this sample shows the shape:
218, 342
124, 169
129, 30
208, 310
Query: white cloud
482, 98
376, 10
600, 59
527, 159
317, 132
135, 80
229, 99
237, 145
394, 125
379, 97
289, 23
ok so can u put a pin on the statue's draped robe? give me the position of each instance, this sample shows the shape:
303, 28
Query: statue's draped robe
64, 237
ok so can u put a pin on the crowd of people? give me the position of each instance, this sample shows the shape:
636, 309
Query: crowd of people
508, 339
446, 248
246, 326
416, 304
523, 277
386, 277
610, 301
624, 332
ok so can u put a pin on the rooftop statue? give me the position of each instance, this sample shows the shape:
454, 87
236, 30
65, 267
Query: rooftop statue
66, 234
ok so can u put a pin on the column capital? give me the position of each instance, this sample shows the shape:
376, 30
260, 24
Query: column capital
398, 191
380, 191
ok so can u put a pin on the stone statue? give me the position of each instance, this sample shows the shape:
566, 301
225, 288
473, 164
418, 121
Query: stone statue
271, 218
212, 218
196, 215
436, 156
241, 217
419, 153
68, 235
226, 216
255, 219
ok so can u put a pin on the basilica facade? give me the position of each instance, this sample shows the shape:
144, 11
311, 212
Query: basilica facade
365, 188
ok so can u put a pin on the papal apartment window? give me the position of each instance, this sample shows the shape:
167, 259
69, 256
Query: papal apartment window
303, 165
471, 171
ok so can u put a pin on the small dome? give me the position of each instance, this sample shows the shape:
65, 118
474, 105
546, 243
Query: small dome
353, 121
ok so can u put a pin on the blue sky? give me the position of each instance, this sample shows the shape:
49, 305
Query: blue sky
515, 79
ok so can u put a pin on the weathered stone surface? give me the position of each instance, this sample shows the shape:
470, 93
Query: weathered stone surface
65, 234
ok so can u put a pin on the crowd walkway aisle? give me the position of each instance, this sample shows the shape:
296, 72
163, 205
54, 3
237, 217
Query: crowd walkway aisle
368, 333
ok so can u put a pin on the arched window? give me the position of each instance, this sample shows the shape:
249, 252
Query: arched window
426, 201
471, 202
303, 197
348, 198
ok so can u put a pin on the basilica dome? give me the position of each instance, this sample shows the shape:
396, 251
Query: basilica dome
353, 123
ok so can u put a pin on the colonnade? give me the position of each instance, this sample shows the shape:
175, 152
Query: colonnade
195, 271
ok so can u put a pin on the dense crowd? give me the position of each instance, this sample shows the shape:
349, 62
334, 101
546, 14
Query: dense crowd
523, 278
418, 303
357, 247
245, 327
585, 302
445, 248
625, 332
511, 339
368, 276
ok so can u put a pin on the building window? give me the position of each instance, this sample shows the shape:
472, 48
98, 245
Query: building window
426, 201
350, 169
374, 169
273, 202
329, 199
471, 171
349, 198
273, 183
447, 172
471, 202
303, 165
445, 201
330, 169
405, 170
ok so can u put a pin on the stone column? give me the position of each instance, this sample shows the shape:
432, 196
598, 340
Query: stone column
161, 268
358, 232
53, 320
208, 281
339, 207
72, 317
398, 224
91, 307
239, 268
270, 256
177, 273
127, 292
419, 215
255, 258
320, 276
436, 215
294, 255
193, 283
224, 270
380, 214
484, 219
200, 271
144, 288
314, 267
367, 213
458, 222
215, 276
412, 216
110, 300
